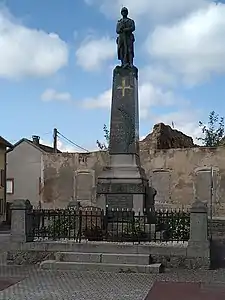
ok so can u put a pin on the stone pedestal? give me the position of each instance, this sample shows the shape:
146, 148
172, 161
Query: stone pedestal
123, 183
20, 221
198, 249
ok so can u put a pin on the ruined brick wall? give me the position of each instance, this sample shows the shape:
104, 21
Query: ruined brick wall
164, 137
179, 175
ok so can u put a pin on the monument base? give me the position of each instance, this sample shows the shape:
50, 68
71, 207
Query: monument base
123, 184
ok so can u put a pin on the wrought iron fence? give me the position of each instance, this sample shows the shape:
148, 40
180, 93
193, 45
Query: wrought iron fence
93, 224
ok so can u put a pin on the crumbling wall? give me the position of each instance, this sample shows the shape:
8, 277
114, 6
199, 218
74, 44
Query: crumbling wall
179, 175
70, 176
175, 167
164, 137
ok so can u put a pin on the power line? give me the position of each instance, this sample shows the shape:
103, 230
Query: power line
68, 140
74, 144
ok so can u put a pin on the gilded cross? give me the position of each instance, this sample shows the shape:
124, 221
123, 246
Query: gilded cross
123, 87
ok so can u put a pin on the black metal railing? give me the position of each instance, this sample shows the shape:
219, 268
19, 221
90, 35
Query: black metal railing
94, 224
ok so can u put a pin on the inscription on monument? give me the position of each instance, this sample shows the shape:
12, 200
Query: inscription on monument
119, 201
123, 129
134, 188
119, 132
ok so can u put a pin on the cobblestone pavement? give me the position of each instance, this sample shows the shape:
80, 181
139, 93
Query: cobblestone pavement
62, 285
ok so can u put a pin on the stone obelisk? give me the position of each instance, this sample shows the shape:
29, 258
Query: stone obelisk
123, 183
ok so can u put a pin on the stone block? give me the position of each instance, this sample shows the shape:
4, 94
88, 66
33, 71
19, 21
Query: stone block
20, 221
199, 222
198, 249
139, 259
78, 257
101, 267
198, 263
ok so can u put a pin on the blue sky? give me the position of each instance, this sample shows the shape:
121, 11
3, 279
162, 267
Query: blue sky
57, 57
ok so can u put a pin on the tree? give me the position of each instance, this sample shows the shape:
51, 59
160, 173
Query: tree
104, 146
213, 132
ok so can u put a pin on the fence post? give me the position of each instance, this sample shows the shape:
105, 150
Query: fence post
198, 251
19, 225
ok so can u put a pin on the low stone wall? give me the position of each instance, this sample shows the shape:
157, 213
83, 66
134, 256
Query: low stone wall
28, 257
171, 255
193, 254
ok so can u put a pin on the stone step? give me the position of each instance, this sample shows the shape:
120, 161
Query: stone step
3, 258
101, 267
111, 258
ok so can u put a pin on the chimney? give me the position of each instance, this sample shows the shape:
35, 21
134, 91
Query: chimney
36, 139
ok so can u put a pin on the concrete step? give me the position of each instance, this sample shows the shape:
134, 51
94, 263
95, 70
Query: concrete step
101, 267
111, 258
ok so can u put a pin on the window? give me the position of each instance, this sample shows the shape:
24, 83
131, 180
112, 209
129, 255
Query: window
2, 178
10, 186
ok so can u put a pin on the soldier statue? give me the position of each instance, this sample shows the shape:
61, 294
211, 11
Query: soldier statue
125, 40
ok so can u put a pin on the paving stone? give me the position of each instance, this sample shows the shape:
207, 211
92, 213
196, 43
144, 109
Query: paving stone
69, 285
46, 285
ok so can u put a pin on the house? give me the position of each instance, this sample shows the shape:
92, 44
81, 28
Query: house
4, 145
25, 170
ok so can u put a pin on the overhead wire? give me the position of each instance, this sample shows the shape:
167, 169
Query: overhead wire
74, 144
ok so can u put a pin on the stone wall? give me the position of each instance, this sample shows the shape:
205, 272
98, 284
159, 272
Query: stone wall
71, 175
178, 175
171, 255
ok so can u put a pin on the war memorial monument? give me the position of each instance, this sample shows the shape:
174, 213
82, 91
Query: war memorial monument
123, 183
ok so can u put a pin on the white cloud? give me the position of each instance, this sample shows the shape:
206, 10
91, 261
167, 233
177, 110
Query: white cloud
149, 96
195, 46
161, 10
51, 95
28, 52
158, 75
60, 146
101, 101
93, 52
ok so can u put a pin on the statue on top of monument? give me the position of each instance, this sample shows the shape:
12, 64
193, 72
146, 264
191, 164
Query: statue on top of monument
125, 41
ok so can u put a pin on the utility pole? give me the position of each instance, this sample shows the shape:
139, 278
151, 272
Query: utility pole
55, 133
211, 200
